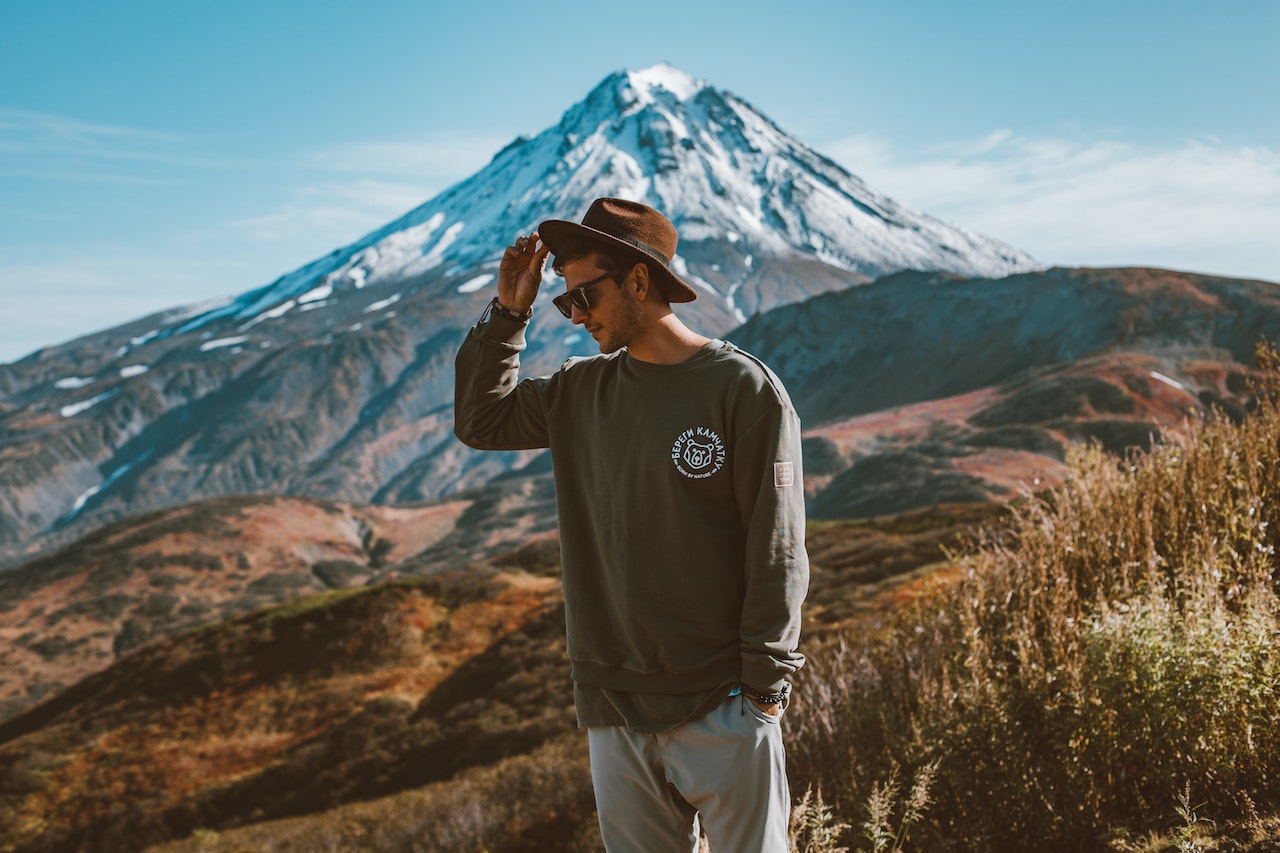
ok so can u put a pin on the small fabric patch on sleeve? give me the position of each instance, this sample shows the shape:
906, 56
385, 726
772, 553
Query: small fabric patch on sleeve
784, 474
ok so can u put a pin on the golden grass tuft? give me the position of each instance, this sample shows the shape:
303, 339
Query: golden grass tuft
1115, 643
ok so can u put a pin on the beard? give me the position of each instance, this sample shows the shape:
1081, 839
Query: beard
624, 327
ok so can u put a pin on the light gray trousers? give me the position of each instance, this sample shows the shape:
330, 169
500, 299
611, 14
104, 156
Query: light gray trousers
727, 770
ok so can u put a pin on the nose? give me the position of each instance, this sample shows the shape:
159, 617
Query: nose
577, 315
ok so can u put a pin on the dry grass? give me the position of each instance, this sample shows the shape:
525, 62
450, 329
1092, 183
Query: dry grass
1114, 645
535, 802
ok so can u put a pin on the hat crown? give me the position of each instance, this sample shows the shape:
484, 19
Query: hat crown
620, 223
634, 223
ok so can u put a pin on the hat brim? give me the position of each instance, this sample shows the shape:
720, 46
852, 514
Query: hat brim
553, 232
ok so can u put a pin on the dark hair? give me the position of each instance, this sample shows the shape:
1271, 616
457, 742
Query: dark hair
577, 248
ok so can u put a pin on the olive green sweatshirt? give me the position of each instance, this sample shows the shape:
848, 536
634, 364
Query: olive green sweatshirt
680, 501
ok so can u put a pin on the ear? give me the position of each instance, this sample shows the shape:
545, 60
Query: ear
641, 273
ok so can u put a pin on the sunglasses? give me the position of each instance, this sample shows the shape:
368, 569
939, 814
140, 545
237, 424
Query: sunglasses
578, 296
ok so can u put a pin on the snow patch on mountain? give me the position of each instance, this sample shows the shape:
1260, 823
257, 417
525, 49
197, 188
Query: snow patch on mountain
94, 491
220, 343
70, 411
271, 314
382, 303
317, 294
471, 285
663, 77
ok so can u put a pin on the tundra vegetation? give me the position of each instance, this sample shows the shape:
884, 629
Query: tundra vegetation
1096, 669
1104, 673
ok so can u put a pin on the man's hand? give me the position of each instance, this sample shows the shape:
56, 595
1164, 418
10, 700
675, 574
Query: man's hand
774, 710
520, 273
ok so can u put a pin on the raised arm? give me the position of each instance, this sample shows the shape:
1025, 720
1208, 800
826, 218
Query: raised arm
492, 408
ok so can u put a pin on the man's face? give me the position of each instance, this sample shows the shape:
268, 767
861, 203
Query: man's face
615, 317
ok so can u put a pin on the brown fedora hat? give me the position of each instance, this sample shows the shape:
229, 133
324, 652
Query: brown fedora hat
632, 226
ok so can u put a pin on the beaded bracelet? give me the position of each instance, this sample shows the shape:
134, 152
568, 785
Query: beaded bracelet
501, 310
768, 698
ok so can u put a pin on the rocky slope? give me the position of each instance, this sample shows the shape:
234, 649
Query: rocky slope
924, 388
76, 611
908, 338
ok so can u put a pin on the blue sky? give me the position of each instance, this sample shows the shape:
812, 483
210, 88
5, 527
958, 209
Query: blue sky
154, 154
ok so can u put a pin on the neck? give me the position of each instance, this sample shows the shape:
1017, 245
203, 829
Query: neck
666, 340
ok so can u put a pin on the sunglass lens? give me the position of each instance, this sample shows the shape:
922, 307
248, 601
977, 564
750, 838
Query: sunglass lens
566, 301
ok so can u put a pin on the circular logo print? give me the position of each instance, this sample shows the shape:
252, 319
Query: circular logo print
698, 453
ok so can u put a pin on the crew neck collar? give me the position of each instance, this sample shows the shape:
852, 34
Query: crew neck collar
707, 351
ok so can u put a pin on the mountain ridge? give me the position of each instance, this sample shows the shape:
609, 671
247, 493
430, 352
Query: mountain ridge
602, 143
335, 380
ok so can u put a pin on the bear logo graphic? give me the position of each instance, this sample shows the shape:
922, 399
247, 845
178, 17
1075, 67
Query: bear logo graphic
698, 453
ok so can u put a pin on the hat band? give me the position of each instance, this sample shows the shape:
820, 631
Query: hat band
644, 247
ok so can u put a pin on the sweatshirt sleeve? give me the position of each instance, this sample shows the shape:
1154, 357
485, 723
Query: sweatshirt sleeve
770, 490
492, 408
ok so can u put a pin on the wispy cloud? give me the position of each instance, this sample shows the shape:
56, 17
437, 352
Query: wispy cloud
349, 189
1200, 204
49, 147
89, 287
63, 279
339, 211
332, 212
71, 131
445, 156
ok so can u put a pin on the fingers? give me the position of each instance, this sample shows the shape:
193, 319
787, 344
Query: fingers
529, 245
520, 272
528, 250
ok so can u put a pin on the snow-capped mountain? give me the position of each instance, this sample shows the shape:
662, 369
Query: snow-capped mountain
720, 170
336, 379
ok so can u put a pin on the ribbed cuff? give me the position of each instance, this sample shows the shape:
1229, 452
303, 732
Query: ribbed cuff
762, 678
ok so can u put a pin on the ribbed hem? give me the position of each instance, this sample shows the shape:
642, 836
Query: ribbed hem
762, 677
633, 681
500, 330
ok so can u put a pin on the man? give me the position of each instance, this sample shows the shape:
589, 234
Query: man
681, 506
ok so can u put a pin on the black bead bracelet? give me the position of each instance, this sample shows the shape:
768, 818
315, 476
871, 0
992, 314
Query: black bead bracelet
768, 698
